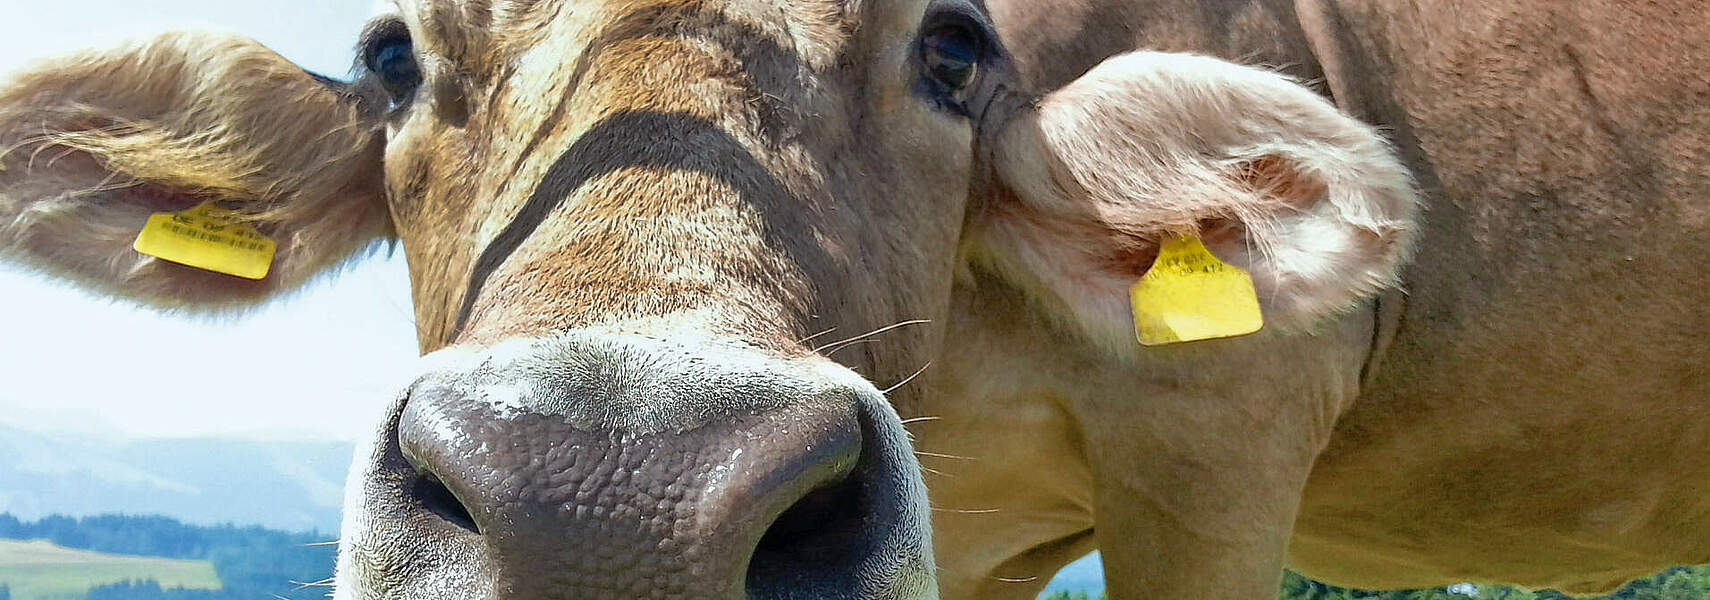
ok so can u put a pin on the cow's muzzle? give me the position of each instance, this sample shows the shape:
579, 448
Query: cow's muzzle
594, 468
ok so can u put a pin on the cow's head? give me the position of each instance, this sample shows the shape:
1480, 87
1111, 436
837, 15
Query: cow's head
660, 247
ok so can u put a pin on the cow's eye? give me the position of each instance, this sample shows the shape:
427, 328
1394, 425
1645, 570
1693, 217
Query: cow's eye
951, 55
393, 59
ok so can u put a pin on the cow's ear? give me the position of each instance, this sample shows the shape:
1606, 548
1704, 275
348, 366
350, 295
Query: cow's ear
92, 145
1314, 204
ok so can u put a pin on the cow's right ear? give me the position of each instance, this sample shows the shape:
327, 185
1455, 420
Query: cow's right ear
92, 145
1146, 146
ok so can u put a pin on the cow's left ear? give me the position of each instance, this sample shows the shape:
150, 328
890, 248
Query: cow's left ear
92, 145
1314, 204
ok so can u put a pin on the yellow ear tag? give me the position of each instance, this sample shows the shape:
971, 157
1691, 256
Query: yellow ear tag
207, 237
1189, 295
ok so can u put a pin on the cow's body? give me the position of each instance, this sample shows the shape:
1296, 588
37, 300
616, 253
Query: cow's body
1538, 399
1527, 406
1547, 385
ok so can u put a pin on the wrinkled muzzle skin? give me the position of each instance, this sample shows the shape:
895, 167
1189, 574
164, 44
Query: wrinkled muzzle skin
637, 233
637, 469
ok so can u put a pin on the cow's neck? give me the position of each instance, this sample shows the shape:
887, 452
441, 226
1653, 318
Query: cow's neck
1023, 416
1055, 42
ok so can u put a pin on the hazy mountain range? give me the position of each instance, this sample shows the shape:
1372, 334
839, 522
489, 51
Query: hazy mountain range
294, 486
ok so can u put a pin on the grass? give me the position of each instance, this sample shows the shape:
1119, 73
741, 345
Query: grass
39, 570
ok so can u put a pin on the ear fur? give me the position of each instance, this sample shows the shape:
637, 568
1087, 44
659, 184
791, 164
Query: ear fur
92, 144
1313, 203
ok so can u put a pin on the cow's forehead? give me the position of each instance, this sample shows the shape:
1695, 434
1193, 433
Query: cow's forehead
814, 30
577, 123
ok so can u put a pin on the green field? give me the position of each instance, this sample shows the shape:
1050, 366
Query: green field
42, 571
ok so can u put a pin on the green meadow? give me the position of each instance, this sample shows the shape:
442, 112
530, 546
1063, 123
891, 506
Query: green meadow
39, 570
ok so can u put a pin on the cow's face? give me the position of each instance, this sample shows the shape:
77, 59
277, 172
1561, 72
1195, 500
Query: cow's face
627, 220
741, 171
660, 249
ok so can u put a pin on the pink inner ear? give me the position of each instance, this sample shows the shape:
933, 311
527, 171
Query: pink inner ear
1281, 179
1130, 256
1222, 232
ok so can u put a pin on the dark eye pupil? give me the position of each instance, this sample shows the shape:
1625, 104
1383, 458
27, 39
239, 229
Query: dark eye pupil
394, 61
950, 55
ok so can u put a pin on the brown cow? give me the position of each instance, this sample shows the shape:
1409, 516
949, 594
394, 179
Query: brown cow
630, 225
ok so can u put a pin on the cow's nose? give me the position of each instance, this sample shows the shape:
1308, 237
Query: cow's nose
636, 470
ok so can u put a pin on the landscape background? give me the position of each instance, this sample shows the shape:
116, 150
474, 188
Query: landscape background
285, 485
205, 429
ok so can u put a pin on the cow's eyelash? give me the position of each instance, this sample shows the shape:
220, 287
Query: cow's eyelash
376, 31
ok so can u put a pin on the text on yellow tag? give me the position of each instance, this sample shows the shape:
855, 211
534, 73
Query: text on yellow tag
207, 237
1189, 295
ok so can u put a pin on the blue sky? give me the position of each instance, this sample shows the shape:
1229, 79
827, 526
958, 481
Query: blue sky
319, 364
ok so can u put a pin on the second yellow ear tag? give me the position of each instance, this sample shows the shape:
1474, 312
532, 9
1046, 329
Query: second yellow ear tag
1189, 295
207, 237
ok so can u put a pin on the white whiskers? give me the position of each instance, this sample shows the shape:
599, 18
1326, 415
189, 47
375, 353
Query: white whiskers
906, 380
815, 336
328, 582
962, 511
937, 455
832, 347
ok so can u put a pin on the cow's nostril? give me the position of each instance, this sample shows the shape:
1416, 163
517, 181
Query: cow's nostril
824, 512
602, 470
439, 500
826, 527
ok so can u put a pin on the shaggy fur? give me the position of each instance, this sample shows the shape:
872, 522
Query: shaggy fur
704, 172
1539, 412
93, 144
752, 173
1311, 202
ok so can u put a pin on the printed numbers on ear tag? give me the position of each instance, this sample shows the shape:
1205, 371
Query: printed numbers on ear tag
207, 237
1189, 295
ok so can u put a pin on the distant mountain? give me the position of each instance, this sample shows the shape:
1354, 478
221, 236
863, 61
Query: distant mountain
294, 486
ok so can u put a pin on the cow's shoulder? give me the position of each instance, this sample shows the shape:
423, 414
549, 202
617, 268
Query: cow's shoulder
1055, 42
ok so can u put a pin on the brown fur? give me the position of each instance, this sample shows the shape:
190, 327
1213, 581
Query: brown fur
1152, 144
756, 173
735, 158
1566, 149
1537, 419
95, 143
